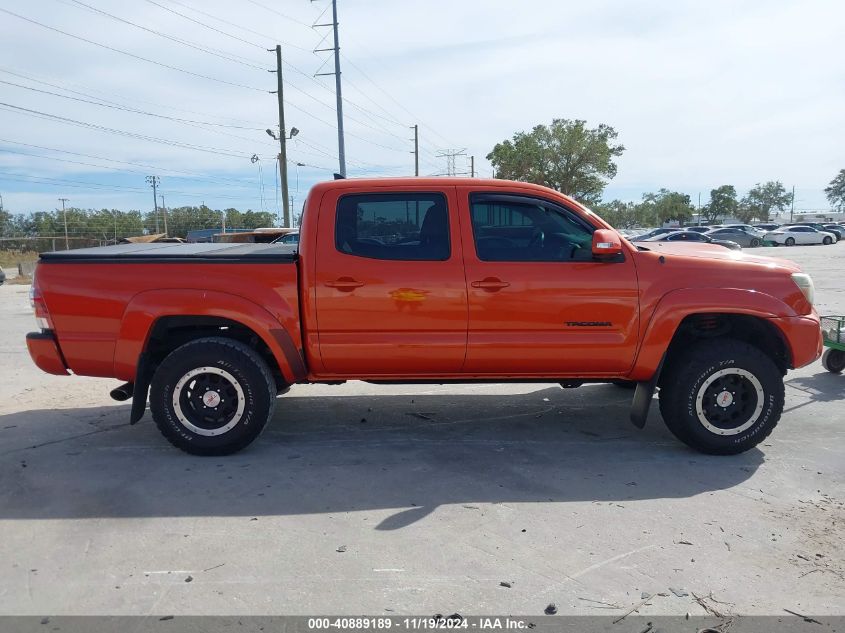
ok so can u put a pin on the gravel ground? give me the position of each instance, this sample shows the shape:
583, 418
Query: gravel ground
417, 499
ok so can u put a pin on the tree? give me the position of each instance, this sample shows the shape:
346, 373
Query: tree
621, 215
762, 200
657, 208
723, 203
836, 191
567, 156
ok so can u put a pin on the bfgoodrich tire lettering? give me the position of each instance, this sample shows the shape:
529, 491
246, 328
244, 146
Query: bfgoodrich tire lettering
212, 396
685, 386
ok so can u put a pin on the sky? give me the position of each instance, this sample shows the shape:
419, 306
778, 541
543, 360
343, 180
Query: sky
702, 93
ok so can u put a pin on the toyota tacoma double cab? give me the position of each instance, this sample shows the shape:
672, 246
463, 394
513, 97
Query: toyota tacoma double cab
429, 281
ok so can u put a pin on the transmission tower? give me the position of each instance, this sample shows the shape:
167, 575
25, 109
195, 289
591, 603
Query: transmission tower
450, 155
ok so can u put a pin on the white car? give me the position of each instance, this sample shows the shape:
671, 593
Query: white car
792, 235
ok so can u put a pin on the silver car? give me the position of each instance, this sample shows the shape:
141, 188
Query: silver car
740, 236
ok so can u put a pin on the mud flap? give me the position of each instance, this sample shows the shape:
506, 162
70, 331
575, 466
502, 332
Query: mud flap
143, 375
643, 396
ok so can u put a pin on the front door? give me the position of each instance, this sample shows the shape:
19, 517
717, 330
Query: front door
539, 304
390, 289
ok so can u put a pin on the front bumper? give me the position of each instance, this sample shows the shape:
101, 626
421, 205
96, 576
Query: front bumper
45, 353
803, 335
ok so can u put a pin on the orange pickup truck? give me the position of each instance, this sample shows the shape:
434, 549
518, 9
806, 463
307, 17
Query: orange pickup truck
429, 280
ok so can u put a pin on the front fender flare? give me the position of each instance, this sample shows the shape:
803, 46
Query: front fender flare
676, 305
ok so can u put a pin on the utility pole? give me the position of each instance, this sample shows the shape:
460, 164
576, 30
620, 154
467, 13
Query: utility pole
699, 208
341, 151
153, 181
792, 208
283, 137
472, 166
164, 212
64, 213
416, 151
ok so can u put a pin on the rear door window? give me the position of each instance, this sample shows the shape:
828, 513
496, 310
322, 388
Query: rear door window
397, 226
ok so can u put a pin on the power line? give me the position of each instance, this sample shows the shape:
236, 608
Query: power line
269, 38
119, 132
364, 110
144, 166
279, 13
204, 49
114, 106
81, 184
132, 55
252, 124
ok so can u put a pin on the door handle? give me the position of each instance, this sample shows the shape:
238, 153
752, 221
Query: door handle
345, 284
490, 284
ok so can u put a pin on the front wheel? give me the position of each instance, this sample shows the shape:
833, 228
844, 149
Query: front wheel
723, 398
833, 360
212, 396
827, 241
790, 241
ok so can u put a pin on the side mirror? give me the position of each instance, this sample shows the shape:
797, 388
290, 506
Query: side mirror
606, 244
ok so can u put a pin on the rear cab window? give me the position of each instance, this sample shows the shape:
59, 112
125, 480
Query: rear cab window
393, 226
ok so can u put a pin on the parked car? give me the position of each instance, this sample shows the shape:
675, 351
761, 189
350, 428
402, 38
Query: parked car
792, 235
693, 236
652, 233
837, 229
489, 281
815, 225
766, 227
699, 229
2, 277
740, 236
748, 228
290, 238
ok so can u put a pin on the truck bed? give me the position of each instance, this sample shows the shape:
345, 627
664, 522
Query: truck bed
177, 253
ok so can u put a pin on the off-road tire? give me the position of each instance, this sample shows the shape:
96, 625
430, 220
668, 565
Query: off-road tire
685, 395
827, 240
833, 360
239, 378
790, 241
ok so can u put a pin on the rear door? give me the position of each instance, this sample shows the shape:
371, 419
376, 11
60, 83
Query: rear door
390, 290
538, 302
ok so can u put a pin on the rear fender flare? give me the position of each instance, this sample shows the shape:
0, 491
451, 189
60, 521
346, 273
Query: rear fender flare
146, 308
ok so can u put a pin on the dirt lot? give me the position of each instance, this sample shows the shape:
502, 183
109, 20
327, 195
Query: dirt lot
364, 499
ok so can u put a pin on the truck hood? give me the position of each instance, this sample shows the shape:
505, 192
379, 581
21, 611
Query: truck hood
714, 252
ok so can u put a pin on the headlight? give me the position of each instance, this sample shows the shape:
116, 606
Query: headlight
805, 284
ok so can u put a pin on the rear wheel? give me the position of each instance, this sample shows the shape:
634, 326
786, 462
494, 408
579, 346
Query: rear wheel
755, 243
833, 360
212, 396
723, 398
790, 241
827, 240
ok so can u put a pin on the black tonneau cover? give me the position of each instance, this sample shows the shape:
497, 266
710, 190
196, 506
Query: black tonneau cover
155, 253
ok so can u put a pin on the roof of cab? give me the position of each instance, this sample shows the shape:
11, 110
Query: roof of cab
437, 181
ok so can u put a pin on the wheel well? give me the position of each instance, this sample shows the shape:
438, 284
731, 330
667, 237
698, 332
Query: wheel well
171, 332
752, 330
